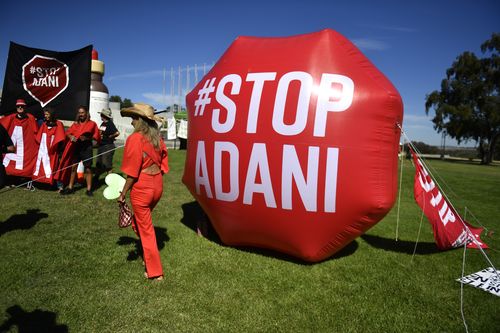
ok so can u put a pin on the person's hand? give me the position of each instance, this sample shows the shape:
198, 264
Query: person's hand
121, 198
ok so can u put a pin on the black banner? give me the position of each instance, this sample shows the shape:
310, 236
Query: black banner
47, 78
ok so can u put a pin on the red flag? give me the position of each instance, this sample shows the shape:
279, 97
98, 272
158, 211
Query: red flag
22, 132
450, 230
47, 160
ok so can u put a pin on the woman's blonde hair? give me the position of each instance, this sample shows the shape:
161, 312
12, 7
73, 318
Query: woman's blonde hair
150, 130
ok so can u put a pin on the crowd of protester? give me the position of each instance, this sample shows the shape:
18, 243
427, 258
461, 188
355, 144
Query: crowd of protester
144, 163
65, 148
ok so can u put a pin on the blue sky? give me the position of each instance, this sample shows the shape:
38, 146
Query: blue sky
411, 42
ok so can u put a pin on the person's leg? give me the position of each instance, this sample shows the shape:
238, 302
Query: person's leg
2, 175
86, 156
107, 158
72, 177
142, 198
111, 154
146, 230
88, 179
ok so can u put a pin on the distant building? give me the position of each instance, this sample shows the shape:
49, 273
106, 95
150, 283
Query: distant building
167, 114
176, 108
123, 124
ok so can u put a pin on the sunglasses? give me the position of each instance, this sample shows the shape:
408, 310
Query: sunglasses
20, 107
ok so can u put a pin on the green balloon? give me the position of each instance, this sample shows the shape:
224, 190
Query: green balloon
115, 184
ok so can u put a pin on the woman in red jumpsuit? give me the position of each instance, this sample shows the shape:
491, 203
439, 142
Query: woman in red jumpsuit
145, 160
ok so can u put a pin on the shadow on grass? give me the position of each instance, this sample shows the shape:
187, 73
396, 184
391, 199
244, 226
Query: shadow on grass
97, 183
400, 246
22, 221
161, 239
195, 218
99, 179
344, 252
34, 321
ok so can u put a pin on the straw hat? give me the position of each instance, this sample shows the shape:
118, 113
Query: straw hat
141, 110
106, 113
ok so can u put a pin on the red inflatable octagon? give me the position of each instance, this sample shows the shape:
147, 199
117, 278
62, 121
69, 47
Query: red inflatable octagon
293, 144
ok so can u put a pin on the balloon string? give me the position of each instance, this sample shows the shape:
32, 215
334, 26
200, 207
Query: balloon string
401, 160
29, 183
419, 231
462, 290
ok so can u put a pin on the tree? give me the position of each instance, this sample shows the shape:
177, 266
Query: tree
421, 148
125, 103
468, 105
115, 98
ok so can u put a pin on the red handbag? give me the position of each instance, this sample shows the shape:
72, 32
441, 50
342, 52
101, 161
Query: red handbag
125, 216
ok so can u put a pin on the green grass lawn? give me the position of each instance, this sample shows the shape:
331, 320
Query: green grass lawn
66, 266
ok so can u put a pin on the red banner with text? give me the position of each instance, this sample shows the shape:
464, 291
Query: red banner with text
450, 230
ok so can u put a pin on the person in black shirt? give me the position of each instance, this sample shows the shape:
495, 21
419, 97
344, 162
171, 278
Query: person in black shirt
105, 151
6, 146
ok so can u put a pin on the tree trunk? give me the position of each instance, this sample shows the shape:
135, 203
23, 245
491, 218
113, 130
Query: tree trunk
482, 154
491, 148
486, 159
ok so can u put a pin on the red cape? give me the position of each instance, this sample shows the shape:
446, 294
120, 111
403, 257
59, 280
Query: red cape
23, 134
67, 158
88, 127
48, 160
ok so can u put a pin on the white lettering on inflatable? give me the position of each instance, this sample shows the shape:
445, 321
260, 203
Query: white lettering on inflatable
18, 156
201, 172
306, 181
342, 99
259, 163
335, 93
227, 103
291, 171
306, 83
253, 110
43, 157
232, 150
332, 163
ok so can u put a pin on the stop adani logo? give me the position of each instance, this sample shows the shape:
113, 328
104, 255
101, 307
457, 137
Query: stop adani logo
45, 78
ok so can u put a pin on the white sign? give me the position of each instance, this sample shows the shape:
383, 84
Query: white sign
171, 135
183, 129
487, 279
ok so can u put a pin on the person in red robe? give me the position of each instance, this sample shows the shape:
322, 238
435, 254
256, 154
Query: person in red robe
51, 138
79, 148
145, 160
22, 128
6, 146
